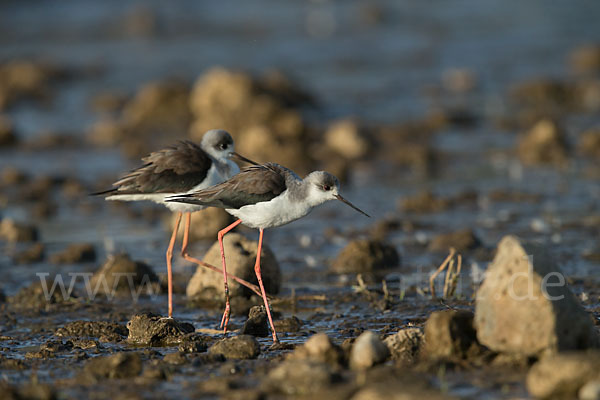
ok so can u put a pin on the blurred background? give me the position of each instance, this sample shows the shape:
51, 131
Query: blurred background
452, 123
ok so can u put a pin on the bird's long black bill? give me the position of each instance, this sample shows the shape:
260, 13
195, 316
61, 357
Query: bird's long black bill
343, 200
239, 157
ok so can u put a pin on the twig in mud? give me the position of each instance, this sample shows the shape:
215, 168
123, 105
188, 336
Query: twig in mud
453, 269
439, 270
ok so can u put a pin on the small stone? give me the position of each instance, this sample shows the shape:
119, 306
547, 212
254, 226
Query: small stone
424, 202
589, 143
590, 391
119, 366
462, 240
240, 347
32, 254
544, 144
320, 348
194, 343
122, 275
75, 253
39, 295
366, 256
12, 231
240, 254
299, 377
368, 350
257, 323
291, 324
585, 59
524, 305
404, 345
562, 375
153, 330
450, 334
347, 139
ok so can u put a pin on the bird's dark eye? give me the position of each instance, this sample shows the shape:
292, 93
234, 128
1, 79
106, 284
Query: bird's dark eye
326, 188
222, 146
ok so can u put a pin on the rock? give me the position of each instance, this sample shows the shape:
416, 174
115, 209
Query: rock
119, 366
12, 176
544, 144
368, 350
32, 254
404, 345
7, 132
205, 224
240, 347
366, 256
424, 202
563, 375
75, 253
526, 308
299, 377
346, 138
408, 388
121, 275
257, 323
240, 253
543, 94
319, 348
590, 391
291, 324
12, 231
153, 330
108, 101
589, 143
109, 331
194, 343
462, 240
24, 79
585, 59
106, 132
450, 334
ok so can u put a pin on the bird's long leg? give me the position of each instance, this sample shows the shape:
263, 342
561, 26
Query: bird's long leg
169, 256
185, 255
222, 232
262, 287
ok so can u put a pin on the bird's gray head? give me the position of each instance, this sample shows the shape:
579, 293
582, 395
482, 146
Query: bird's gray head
322, 187
218, 143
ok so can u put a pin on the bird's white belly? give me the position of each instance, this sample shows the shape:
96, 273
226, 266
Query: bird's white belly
269, 214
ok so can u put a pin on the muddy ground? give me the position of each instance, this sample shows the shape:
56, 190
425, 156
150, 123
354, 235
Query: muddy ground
452, 127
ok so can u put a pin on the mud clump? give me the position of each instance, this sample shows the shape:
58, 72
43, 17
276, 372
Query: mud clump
563, 375
121, 275
347, 138
405, 345
241, 256
299, 377
105, 331
450, 335
75, 253
205, 224
194, 343
153, 330
525, 307
119, 366
320, 348
240, 347
32, 254
462, 240
12, 231
366, 256
38, 296
291, 324
31, 391
589, 143
257, 323
423, 203
544, 144
368, 350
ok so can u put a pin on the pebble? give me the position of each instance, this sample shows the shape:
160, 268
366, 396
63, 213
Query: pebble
241, 347
367, 351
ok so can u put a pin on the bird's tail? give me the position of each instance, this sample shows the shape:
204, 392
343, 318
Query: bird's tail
104, 192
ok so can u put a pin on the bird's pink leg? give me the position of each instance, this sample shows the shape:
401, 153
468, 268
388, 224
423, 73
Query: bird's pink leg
222, 232
262, 287
169, 266
185, 255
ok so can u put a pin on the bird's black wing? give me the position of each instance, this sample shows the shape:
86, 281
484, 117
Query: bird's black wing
175, 169
252, 185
